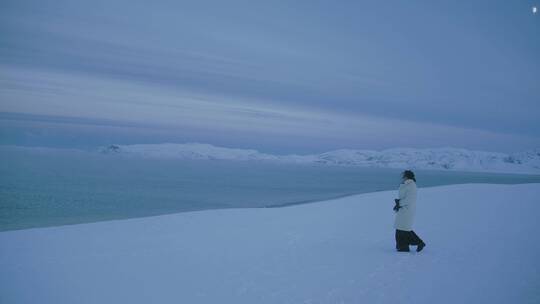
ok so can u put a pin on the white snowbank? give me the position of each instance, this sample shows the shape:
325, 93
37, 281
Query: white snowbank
482, 247
439, 159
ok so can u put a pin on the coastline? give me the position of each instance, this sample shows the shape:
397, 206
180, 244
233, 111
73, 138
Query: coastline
89, 220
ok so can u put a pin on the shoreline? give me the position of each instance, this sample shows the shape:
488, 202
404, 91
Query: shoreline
278, 206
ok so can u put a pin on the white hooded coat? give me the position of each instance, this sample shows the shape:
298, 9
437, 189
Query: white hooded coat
407, 201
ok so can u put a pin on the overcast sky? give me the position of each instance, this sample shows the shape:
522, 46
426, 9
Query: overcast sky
291, 76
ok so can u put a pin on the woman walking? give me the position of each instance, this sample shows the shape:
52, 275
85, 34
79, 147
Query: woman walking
405, 209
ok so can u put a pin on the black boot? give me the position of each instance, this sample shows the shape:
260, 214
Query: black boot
420, 247
414, 239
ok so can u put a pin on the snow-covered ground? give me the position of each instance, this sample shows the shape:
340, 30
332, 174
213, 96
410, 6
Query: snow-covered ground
438, 159
482, 240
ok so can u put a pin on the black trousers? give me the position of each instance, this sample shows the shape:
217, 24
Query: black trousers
406, 238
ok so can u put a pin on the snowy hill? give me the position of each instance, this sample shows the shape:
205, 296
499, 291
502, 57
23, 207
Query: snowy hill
439, 159
338, 251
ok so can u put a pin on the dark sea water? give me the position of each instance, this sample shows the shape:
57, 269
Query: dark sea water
41, 187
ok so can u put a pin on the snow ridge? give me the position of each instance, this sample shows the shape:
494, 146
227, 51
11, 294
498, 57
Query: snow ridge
436, 159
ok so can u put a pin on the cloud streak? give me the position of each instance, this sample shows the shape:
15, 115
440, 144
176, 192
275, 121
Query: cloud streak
356, 74
90, 100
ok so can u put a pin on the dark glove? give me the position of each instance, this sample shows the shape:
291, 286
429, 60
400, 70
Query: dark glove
397, 206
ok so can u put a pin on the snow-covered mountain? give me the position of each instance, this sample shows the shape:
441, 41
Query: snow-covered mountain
438, 159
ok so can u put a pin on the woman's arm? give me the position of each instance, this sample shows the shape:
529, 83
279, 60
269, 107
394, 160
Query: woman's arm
403, 192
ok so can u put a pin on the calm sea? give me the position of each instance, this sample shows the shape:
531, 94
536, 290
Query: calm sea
40, 187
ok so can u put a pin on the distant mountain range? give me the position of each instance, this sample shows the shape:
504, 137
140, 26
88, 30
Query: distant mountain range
436, 159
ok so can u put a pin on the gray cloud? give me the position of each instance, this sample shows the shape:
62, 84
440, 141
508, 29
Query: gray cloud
282, 69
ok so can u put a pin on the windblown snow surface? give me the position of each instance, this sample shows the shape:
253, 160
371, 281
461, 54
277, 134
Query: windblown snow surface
482, 247
438, 159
